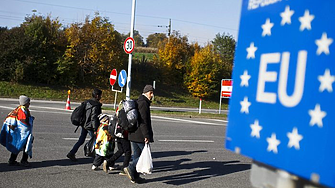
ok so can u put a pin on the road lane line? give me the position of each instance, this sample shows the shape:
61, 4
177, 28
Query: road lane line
184, 120
74, 138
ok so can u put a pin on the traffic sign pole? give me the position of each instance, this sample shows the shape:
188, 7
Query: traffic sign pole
130, 55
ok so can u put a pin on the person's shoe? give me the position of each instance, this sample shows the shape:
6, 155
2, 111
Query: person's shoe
105, 166
122, 173
129, 175
25, 163
115, 167
140, 180
13, 163
95, 167
71, 156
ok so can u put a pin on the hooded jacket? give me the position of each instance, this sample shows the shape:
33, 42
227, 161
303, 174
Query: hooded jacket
144, 129
93, 109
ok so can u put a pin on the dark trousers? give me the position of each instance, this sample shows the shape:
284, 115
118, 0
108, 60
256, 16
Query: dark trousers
98, 160
123, 146
14, 156
81, 140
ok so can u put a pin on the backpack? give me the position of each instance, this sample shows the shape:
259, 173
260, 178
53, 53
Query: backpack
127, 115
78, 115
114, 128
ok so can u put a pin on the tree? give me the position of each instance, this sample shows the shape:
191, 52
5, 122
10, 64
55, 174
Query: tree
202, 72
224, 45
13, 44
154, 39
137, 38
47, 44
94, 49
173, 55
29, 52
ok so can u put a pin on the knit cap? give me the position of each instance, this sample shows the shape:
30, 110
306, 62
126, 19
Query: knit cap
24, 100
103, 117
148, 88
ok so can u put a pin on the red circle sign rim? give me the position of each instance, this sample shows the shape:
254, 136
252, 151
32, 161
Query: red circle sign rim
124, 45
112, 81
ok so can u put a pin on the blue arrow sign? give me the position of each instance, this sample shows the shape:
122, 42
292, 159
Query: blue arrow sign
122, 80
282, 106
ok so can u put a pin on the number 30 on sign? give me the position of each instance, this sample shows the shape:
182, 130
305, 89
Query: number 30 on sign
129, 45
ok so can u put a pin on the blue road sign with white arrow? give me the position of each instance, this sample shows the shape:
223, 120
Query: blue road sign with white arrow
281, 112
122, 80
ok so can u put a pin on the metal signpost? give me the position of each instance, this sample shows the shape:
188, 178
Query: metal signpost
282, 111
130, 49
112, 80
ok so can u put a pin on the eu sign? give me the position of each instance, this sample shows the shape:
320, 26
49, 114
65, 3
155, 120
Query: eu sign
282, 109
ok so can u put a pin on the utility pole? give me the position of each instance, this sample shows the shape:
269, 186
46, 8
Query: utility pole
169, 29
132, 23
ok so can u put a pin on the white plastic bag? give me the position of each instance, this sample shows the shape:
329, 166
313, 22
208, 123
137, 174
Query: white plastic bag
144, 164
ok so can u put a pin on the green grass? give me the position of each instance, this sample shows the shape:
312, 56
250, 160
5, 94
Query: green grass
147, 56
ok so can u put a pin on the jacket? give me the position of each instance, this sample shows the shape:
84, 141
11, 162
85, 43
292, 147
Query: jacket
93, 109
144, 129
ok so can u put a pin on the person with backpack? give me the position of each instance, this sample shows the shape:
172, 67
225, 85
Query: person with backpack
16, 133
91, 122
142, 135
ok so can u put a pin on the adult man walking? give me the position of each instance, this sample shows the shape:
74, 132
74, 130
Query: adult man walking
143, 133
92, 110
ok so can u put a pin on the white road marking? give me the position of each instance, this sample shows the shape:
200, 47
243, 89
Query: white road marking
185, 120
75, 138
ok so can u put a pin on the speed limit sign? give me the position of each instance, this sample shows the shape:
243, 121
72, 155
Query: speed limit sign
129, 45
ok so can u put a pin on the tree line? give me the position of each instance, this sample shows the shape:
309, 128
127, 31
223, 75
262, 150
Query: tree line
42, 51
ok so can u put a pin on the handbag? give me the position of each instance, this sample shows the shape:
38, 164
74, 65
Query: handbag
89, 150
144, 164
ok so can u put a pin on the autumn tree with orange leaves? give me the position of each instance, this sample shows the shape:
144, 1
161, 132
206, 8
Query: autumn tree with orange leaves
202, 72
94, 49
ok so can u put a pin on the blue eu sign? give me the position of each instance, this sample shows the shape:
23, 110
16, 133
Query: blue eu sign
282, 109
122, 80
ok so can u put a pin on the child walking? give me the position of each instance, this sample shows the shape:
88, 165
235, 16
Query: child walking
104, 146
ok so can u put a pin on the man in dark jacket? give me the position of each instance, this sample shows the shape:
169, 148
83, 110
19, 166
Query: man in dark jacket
143, 133
92, 110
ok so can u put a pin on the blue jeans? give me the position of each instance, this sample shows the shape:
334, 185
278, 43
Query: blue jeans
81, 140
137, 148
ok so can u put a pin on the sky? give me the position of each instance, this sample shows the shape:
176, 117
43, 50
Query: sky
200, 20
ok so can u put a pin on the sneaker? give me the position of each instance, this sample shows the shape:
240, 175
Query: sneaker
122, 173
140, 180
95, 167
105, 166
115, 167
71, 156
25, 163
128, 173
13, 163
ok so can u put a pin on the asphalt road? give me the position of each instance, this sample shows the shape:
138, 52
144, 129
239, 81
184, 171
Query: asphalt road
186, 152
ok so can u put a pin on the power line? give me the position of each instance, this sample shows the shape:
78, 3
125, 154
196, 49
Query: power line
139, 15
